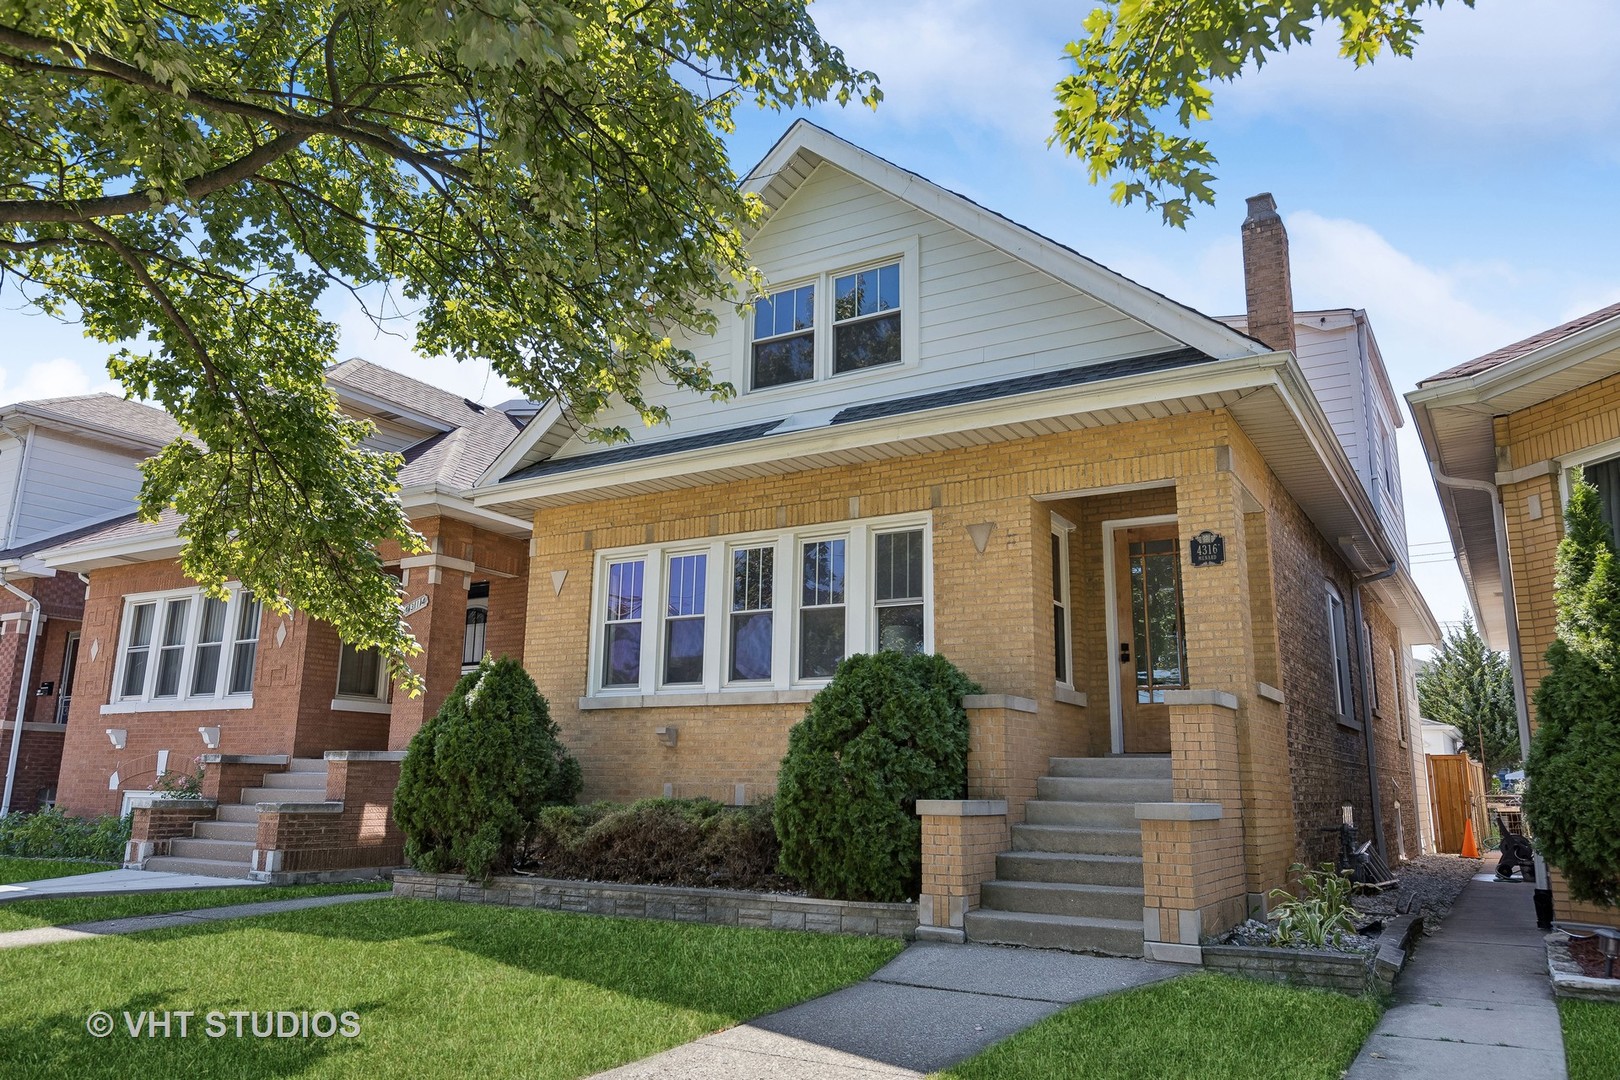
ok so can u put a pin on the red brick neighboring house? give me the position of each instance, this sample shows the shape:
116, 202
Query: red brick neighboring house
300, 736
67, 465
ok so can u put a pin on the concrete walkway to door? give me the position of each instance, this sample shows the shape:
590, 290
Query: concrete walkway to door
1476, 1002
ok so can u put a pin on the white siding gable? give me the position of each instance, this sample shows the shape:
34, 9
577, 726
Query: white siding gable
979, 314
69, 482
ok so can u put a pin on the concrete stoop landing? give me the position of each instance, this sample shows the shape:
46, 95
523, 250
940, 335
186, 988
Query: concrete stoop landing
1073, 879
224, 846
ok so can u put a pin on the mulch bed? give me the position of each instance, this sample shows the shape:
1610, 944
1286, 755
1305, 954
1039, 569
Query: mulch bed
1587, 953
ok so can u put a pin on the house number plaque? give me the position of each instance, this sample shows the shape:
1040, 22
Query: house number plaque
411, 607
1208, 549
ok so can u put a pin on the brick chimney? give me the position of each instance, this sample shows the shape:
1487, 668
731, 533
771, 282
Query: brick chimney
1267, 284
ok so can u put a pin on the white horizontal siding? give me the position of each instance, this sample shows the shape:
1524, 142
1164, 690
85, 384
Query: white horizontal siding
69, 483
11, 455
982, 314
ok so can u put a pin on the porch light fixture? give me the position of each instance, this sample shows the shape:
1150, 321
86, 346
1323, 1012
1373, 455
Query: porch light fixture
667, 735
980, 534
118, 735
210, 737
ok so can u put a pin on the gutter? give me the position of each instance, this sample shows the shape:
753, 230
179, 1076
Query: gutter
22, 689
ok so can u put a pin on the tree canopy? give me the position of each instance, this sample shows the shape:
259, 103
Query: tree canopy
1469, 685
544, 182
1574, 766
1144, 68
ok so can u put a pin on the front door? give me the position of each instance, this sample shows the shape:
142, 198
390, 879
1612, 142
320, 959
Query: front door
1152, 640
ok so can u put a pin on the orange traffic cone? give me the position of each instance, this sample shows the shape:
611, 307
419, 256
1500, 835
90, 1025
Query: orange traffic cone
1470, 848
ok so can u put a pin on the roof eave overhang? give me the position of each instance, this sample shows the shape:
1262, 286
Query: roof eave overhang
436, 500
123, 552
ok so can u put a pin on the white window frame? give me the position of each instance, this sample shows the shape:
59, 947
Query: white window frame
860, 617
905, 252
1339, 653
184, 700
1063, 530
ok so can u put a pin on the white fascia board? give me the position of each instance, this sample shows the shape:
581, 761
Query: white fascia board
149, 548
1521, 371
508, 460
1242, 373
453, 504
1158, 312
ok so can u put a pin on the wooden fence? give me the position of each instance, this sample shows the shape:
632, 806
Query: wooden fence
1456, 795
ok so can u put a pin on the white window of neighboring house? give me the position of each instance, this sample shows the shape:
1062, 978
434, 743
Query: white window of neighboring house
1062, 620
362, 676
1338, 638
171, 652
474, 641
854, 587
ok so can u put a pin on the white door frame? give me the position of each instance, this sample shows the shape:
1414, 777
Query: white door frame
1116, 715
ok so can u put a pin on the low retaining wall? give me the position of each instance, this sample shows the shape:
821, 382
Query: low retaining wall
1567, 978
722, 907
1345, 972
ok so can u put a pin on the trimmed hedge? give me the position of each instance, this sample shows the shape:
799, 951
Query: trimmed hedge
477, 774
693, 842
888, 730
51, 834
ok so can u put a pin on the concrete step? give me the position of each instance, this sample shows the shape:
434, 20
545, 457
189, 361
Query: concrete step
251, 795
237, 812
1141, 767
1090, 815
1074, 933
1071, 869
1050, 898
224, 850
1077, 841
301, 780
307, 764
227, 830
170, 864
1102, 789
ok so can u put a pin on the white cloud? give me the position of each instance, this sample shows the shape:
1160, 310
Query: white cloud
57, 377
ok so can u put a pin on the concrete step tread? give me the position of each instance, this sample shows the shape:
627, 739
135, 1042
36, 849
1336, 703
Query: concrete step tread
1039, 829
1069, 887
224, 850
1115, 815
307, 779
295, 795
236, 813
1154, 767
1077, 921
173, 864
1072, 856
227, 830
307, 764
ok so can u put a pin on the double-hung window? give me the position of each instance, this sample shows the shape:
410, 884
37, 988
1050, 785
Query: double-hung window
834, 323
187, 649
786, 610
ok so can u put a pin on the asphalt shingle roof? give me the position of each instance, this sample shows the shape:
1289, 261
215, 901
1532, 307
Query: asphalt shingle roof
106, 412
1498, 357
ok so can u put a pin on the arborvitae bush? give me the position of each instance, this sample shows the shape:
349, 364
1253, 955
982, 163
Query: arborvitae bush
1574, 766
888, 730
477, 775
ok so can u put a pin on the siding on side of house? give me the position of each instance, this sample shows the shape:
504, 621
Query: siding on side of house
982, 314
70, 482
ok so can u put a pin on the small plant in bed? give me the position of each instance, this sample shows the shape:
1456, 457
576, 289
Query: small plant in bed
1318, 916
692, 842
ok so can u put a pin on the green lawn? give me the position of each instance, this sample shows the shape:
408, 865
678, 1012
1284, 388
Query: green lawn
1203, 1026
26, 914
441, 989
13, 870
1591, 1036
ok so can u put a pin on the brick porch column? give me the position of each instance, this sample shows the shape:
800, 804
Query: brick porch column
960, 841
440, 626
1002, 752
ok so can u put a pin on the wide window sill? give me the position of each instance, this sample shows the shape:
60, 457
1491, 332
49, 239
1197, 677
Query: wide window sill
1348, 723
697, 699
235, 701
361, 705
1068, 695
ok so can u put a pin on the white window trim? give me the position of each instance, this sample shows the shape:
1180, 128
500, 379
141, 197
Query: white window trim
905, 251
184, 701
1590, 455
1063, 529
860, 613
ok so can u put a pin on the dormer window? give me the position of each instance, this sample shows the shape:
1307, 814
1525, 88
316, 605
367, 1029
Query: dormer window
785, 337
866, 319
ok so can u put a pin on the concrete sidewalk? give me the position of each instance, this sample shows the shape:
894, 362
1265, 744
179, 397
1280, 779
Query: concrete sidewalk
113, 882
1475, 1003
50, 935
930, 1007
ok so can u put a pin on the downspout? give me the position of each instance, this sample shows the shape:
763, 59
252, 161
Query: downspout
1510, 614
22, 690
1363, 658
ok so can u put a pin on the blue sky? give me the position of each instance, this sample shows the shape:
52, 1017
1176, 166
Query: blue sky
1464, 198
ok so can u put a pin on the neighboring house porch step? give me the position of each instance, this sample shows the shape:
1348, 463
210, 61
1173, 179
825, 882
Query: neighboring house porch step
238, 814
306, 764
1075, 933
252, 795
230, 828
224, 850
171, 864
304, 779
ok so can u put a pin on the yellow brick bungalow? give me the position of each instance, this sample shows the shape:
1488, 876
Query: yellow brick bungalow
1171, 551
